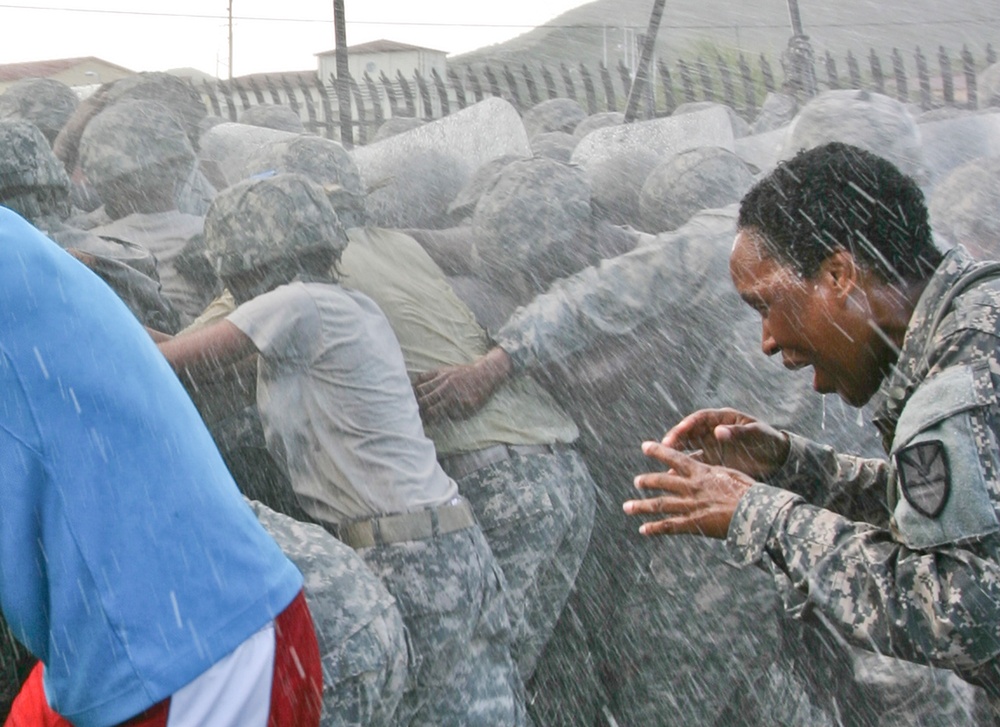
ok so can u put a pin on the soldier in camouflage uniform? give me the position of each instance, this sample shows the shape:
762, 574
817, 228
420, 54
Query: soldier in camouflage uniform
340, 418
361, 638
34, 184
630, 346
901, 556
531, 492
136, 155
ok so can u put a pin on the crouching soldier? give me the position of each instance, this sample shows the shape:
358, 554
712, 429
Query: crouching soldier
340, 418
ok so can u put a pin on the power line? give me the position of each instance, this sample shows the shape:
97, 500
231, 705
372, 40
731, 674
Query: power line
329, 21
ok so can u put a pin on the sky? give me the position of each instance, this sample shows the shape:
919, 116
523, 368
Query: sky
156, 35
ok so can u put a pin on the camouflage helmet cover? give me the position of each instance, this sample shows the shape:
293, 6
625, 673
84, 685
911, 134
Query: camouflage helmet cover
266, 220
132, 138
45, 102
27, 160
176, 94
324, 162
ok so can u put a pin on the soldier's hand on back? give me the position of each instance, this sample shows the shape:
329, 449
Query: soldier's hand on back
732, 439
456, 392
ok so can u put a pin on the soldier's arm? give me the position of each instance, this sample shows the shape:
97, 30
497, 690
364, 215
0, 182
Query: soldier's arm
937, 605
675, 273
210, 353
674, 277
851, 486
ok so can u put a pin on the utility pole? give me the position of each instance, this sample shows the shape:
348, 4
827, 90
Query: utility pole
343, 84
230, 40
800, 68
645, 61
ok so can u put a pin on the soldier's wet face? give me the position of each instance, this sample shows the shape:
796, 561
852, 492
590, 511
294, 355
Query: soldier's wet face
822, 321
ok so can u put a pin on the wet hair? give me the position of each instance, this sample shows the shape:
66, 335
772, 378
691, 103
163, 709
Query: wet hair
839, 197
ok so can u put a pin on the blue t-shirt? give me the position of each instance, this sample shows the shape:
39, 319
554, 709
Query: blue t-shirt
129, 562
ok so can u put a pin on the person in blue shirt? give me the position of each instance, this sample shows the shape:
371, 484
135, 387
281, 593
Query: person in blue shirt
129, 563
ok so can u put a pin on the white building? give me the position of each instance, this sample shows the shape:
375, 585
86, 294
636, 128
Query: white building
386, 56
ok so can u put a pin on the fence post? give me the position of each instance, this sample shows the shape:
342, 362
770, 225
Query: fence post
390, 94
971, 89
529, 82
669, 99
258, 94
213, 100
991, 55
567, 81
404, 86
273, 90
686, 81
477, 87
293, 101
425, 96
899, 71
728, 92
313, 124
749, 90
610, 100
242, 92
924, 79
550, 83
359, 101
512, 85
707, 88
324, 99
589, 90
831, 72
947, 79
767, 73
876, 66
227, 89
626, 77
853, 70
376, 99
492, 80
456, 84
442, 92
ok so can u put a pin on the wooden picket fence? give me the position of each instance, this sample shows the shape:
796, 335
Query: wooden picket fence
944, 79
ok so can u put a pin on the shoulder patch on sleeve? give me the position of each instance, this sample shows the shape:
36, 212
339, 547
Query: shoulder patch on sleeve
924, 476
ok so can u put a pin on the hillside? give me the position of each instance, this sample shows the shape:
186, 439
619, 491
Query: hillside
588, 32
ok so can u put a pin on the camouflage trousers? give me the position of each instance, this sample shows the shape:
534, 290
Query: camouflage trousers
536, 511
450, 593
362, 641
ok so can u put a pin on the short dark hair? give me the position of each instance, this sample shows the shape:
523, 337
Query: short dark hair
838, 196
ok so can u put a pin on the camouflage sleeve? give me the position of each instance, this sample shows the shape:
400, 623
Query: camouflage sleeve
939, 606
675, 272
854, 487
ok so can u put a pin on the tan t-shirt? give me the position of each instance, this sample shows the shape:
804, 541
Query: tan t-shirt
435, 328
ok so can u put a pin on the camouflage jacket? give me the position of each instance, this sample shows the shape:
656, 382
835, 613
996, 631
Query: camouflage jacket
645, 338
902, 556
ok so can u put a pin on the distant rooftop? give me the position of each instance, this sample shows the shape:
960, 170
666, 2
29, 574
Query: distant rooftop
382, 46
45, 69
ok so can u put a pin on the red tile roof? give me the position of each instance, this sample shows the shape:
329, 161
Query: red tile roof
45, 69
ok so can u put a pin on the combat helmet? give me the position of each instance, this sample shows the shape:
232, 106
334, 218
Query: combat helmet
175, 94
262, 222
534, 221
324, 162
45, 102
133, 139
27, 161
675, 190
872, 121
